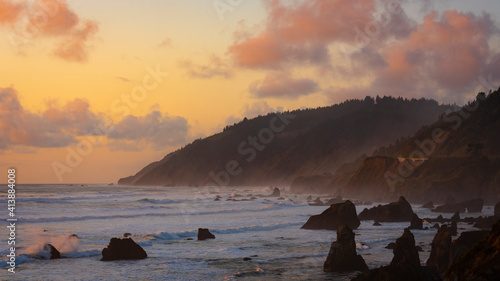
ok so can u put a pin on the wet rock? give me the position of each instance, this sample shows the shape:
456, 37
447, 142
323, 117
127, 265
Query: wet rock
394, 212
247, 259
390, 246
456, 217
342, 256
204, 234
334, 217
453, 228
376, 223
54, 253
126, 234
123, 249
74, 236
416, 222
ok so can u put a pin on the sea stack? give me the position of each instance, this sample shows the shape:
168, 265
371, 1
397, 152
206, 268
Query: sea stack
123, 249
342, 256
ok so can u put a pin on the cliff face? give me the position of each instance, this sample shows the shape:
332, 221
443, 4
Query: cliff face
277, 148
370, 181
458, 155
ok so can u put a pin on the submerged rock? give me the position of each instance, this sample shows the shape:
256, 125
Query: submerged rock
342, 256
394, 212
334, 217
123, 249
54, 253
204, 234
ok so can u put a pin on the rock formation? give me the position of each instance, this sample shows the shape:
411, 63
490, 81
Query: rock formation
342, 256
394, 212
204, 234
123, 249
472, 206
334, 217
428, 205
416, 222
405, 264
54, 253
440, 252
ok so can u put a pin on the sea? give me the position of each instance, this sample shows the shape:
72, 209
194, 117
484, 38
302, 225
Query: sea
165, 222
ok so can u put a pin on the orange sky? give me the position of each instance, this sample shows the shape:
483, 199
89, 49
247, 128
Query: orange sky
148, 77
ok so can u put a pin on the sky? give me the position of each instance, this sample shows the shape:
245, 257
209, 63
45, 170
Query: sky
92, 91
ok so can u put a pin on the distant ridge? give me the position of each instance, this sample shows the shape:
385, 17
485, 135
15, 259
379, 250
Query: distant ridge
277, 148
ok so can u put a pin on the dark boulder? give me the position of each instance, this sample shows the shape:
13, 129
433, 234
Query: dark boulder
54, 253
394, 212
376, 223
123, 249
334, 217
204, 234
342, 256
472, 206
428, 205
440, 252
456, 217
416, 222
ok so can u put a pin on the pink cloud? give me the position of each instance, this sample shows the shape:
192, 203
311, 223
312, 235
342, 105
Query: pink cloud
302, 31
53, 19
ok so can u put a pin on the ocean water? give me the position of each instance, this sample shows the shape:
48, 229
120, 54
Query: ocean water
161, 219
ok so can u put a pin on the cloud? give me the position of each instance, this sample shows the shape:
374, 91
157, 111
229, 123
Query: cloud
216, 67
155, 128
29, 21
10, 11
61, 125
444, 56
302, 32
281, 85
55, 127
166, 43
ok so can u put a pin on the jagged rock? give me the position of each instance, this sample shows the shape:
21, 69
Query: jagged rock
123, 249
405, 264
485, 223
474, 205
125, 235
74, 236
436, 226
394, 212
480, 262
317, 202
335, 200
309, 198
335, 216
456, 217
342, 256
54, 253
376, 223
276, 193
464, 243
204, 234
390, 246
217, 199
440, 252
428, 205
416, 222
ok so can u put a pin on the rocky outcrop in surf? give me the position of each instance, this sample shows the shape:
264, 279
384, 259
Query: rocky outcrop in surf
342, 256
204, 234
334, 217
123, 249
394, 212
